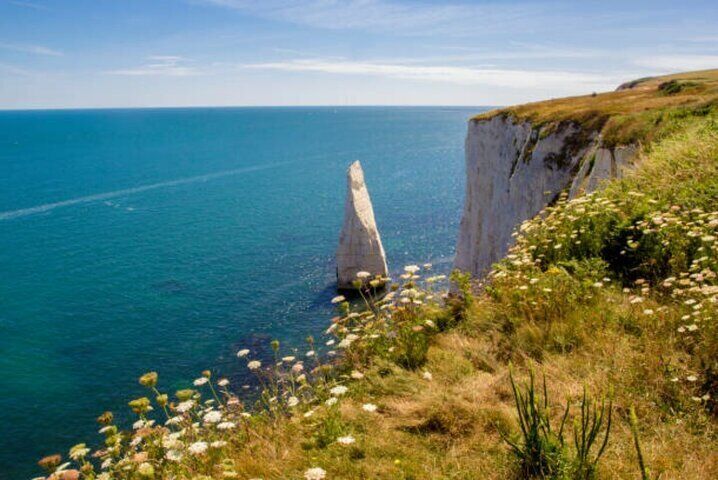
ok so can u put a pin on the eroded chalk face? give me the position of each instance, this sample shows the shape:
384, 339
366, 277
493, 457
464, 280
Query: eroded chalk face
360, 248
514, 170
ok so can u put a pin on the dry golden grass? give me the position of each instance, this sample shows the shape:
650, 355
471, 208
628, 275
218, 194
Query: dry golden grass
622, 116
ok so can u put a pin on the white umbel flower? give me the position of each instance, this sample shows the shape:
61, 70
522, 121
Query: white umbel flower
315, 473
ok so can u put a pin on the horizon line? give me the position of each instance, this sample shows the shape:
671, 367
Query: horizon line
180, 107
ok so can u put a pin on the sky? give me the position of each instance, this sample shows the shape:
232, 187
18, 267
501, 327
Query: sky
163, 53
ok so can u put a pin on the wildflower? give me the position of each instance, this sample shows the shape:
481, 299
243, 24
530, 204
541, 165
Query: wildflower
648, 311
308, 413
412, 269
173, 420
357, 375
346, 440
243, 353
223, 382
50, 462
427, 375
185, 394
185, 406
212, 416
197, 448
315, 473
310, 353
173, 455
339, 390
338, 299
106, 418
292, 401
140, 405
331, 401
146, 470
149, 379
288, 359
369, 407
598, 285
200, 381
691, 378
254, 364
362, 275
218, 444
226, 425
79, 451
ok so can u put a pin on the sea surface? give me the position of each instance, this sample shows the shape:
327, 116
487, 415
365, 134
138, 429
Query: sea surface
167, 239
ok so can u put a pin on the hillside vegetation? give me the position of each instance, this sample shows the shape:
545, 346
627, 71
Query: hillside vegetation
590, 351
637, 112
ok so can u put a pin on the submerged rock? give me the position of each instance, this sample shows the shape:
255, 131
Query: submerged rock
360, 247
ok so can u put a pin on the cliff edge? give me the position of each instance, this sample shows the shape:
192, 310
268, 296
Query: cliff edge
521, 159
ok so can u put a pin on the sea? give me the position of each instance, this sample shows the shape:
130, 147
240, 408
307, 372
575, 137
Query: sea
134, 240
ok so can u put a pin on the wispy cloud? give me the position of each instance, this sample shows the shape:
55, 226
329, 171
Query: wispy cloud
512, 78
672, 63
160, 65
13, 70
30, 5
386, 15
32, 49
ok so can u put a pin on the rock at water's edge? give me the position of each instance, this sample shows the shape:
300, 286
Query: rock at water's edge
360, 247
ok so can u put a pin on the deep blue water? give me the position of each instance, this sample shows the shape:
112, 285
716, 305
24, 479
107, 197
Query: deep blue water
167, 239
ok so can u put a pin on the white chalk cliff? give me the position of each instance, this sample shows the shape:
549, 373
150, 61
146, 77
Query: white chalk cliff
360, 247
513, 170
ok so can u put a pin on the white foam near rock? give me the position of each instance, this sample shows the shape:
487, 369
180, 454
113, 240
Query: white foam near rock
514, 170
360, 247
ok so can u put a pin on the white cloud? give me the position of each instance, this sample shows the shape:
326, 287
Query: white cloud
160, 65
671, 63
33, 49
385, 15
30, 5
512, 78
13, 70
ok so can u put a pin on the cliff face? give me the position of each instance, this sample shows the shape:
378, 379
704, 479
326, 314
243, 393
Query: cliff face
513, 170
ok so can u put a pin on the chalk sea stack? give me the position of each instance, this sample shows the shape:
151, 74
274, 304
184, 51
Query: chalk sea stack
360, 248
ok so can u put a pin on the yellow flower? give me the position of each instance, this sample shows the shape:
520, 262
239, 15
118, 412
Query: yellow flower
149, 379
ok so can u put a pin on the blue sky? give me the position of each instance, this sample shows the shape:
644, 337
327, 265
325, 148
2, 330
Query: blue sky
139, 53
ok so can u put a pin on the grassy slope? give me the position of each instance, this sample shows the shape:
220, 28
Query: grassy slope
627, 115
585, 297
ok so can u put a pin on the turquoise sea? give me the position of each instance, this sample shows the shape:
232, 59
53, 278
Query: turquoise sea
167, 239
